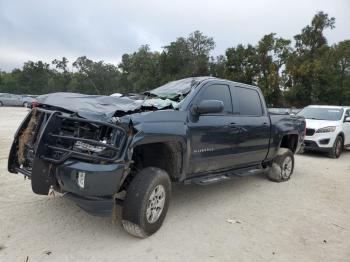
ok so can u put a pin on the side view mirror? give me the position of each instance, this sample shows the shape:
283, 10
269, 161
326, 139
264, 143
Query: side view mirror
207, 107
347, 119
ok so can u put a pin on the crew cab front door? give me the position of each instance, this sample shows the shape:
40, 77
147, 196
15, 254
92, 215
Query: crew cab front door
212, 139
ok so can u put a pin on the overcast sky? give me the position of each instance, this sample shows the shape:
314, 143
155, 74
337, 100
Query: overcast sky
104, 30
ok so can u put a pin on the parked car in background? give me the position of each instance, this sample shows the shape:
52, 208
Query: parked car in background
15, 100
10, 100
284, 110
28, 101
327, 129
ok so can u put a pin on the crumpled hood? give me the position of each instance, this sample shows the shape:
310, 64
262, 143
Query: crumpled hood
102, 107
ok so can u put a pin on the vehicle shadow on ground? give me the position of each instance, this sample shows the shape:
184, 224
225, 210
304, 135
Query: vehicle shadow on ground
61, 215
323, 154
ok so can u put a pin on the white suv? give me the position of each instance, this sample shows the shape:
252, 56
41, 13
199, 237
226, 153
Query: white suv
327, 129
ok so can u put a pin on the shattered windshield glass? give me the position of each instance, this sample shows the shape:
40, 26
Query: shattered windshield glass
176, 90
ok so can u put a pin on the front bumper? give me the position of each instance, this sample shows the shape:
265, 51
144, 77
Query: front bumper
320, 141
94, 206
312, 146
100, 179
44, 150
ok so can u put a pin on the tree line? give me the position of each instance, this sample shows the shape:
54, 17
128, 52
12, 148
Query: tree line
304, 70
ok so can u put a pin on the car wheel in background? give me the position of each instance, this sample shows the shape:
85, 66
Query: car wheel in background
25, 104
1, 104
337, 148
282, 166
301, 150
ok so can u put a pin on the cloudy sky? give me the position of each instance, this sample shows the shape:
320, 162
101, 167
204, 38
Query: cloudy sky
105, 29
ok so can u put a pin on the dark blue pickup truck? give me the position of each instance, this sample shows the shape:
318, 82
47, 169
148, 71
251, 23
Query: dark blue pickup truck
101, 151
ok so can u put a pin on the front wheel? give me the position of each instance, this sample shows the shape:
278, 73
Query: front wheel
282, 166
337, 148
146, 202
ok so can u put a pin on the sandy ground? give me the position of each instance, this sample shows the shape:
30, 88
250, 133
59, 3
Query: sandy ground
304, 219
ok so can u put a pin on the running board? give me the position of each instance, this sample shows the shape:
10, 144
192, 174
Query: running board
218, 177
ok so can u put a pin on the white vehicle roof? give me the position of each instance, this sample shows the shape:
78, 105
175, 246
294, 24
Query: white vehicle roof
325, 106
116, 94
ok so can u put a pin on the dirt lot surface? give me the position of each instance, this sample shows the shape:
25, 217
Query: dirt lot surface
244, 219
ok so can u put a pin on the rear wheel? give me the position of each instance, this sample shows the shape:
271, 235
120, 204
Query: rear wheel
146, 202
337, 148
282, 166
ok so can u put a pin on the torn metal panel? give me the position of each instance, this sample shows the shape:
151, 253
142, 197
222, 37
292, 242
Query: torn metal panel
104, 108
91, 106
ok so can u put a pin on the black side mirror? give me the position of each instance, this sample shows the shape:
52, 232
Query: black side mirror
208, 107
347, 119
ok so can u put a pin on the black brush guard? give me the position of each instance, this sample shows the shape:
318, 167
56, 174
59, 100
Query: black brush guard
49, 147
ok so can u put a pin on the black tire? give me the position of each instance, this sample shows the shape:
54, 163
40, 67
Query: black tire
1, 104
282, 167
137, 202
301, 150
337, 148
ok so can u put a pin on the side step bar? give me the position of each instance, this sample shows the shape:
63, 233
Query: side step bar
222, 176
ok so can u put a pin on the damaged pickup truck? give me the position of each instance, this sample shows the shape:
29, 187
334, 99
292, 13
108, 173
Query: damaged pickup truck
101, 151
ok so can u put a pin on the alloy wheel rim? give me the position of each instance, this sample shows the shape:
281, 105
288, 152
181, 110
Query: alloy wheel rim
338, 148
287, 167
155, 204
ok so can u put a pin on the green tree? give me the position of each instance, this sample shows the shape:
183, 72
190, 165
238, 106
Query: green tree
241, 64
175, 60
305, 64
62, 76
217, 66
140, 70
271, 56
199, 47
35, 77
95, 77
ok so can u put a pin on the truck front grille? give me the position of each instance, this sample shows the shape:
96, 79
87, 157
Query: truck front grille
84, 139
55, 137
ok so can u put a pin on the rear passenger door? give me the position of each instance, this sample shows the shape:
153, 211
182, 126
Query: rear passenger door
253, 122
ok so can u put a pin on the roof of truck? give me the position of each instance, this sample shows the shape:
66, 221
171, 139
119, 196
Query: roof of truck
183, 86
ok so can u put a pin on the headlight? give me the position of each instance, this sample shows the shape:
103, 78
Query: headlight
326, 129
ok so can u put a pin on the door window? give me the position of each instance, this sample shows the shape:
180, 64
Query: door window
217, 92
249, 102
